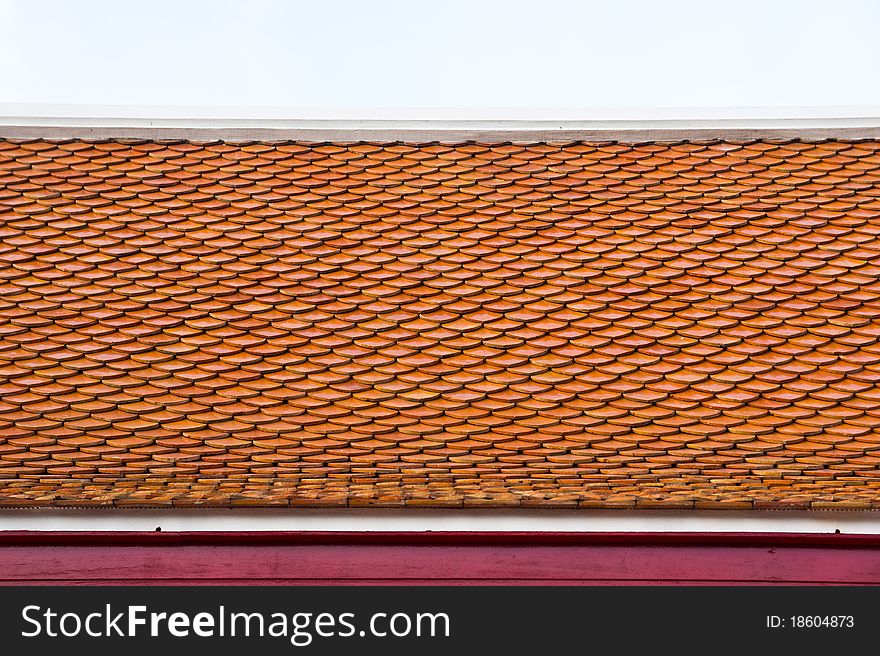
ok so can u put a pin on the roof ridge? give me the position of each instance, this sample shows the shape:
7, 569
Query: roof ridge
419, 130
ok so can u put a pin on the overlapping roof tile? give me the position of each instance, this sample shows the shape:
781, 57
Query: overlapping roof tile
603, 325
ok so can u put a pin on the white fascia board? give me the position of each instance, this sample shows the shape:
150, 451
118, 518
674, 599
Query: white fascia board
407, 520
421, 125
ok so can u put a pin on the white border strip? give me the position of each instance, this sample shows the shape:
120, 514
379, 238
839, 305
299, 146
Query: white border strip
258, 519
419, 131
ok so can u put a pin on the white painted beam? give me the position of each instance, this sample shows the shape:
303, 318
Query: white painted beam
257, 519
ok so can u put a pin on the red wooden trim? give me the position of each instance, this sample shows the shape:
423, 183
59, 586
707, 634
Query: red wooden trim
101, 558
255, 538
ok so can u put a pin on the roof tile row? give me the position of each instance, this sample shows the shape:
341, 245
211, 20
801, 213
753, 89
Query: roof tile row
550, 324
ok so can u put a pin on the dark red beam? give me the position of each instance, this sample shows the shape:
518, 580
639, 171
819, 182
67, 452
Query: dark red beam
436, 558
14, 538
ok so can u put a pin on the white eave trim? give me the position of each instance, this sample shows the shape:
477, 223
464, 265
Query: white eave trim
411, 520
270, 127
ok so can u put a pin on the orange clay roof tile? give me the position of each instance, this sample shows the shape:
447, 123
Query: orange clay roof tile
473, 324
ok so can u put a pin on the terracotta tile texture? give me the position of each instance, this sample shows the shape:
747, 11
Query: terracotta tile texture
682, 325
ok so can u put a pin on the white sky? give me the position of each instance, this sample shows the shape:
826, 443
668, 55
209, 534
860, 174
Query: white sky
511, 54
